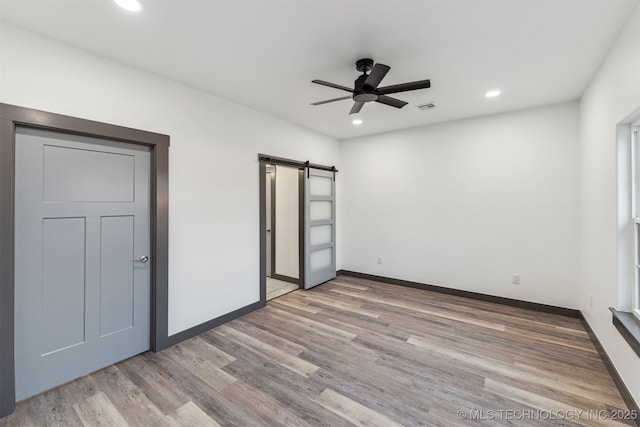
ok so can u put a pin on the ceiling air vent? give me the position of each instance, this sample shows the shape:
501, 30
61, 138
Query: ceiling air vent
427, 106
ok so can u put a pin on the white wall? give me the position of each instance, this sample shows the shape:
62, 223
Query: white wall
613, 93
287, 233
465, 204
213, 164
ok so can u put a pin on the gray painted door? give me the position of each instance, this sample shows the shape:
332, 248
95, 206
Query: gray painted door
320, 227
82, 218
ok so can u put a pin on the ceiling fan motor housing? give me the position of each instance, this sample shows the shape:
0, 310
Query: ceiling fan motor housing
362, 92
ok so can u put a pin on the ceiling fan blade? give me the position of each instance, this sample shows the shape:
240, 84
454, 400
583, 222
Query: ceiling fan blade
387, 100
376, 75
357, 106
333, 85
332, 100
403, 87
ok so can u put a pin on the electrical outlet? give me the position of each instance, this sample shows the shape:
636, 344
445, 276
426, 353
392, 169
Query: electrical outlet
515, 279
379, 260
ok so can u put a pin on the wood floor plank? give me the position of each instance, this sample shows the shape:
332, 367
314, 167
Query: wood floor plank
49, 409
590, 388
582, 345
490, 367
290, 303
253, 368
20, 418
387, 396
129, 400
344, 283
351, 351
293, 363
317, 342
82, 388
301, 329
213, 376
98, 411
213, 355
210, 400
265, 408
314, 326
431, 311
199, 364
345, 305
281, 343
290, 389
190, 414
158, 389
353, 411
544, 403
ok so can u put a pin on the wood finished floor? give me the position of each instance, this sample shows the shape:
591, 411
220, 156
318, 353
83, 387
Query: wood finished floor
349, 352
276, 288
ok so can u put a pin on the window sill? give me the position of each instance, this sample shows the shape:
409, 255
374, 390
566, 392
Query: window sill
629, 327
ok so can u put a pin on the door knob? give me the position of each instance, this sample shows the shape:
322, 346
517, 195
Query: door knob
142, 259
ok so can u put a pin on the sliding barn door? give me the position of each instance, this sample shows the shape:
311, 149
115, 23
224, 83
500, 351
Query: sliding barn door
320, 227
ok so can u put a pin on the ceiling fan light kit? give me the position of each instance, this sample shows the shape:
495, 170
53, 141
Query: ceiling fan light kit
366, 87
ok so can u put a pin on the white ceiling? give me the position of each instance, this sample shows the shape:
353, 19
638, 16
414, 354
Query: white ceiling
264, 54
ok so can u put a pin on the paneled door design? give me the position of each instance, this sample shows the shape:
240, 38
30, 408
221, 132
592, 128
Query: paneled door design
82, 267
320, 227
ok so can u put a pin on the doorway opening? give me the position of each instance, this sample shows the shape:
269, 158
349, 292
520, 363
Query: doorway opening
297, 225
282, 219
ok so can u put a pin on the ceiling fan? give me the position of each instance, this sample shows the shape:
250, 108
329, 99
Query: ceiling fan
366, 87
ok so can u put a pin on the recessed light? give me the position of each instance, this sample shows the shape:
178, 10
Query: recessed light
130, 5
492, 93
357, 122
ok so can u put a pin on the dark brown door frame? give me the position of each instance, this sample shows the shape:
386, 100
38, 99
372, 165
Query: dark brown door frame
13, 116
